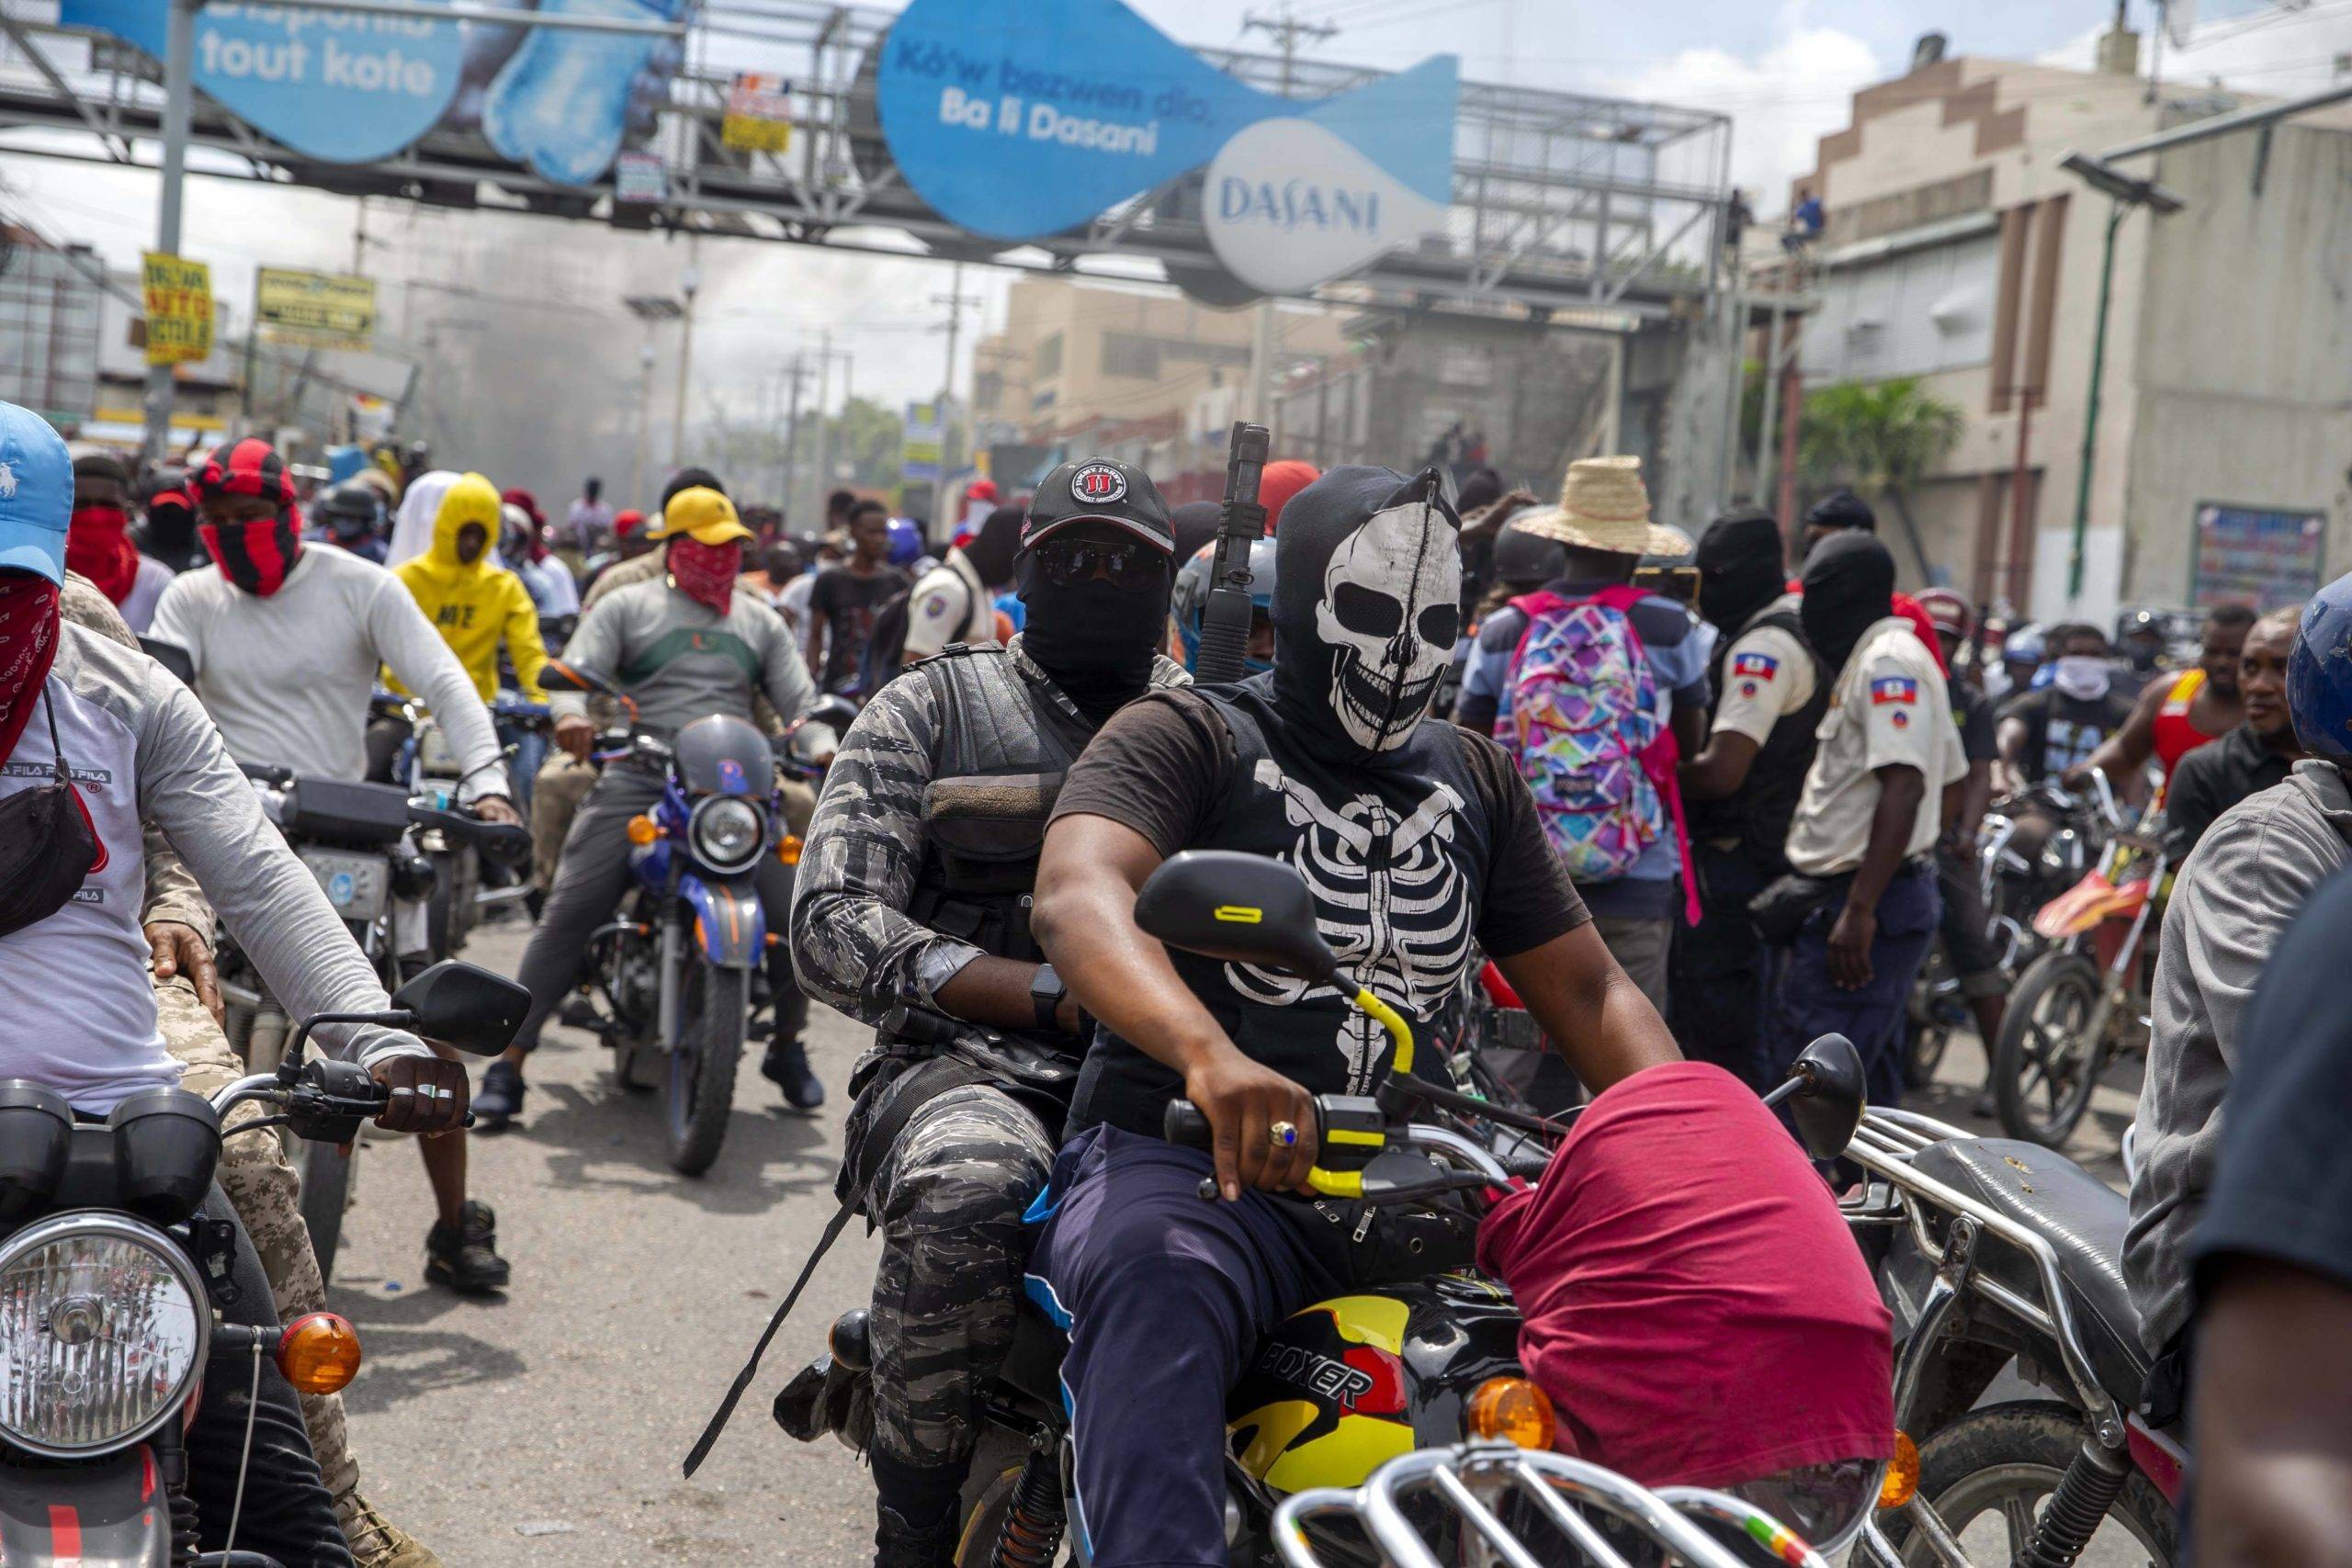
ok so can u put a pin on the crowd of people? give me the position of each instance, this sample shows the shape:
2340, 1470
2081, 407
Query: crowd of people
1692, 809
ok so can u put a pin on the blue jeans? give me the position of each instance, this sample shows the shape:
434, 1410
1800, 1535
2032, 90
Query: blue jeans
1807, 1003
530, 750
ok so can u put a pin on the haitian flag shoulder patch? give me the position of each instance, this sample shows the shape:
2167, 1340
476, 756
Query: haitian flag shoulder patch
1893, 689
1755, 666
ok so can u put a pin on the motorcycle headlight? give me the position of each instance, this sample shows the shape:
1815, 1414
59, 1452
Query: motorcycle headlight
725, 832
103, 1327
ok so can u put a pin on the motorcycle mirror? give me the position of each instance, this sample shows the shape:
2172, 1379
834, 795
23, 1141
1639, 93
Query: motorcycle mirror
1825, 1095
1244, 909
465, 1006
172, 657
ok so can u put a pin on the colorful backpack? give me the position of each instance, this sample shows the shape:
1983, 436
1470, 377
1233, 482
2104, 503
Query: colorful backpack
1583, 727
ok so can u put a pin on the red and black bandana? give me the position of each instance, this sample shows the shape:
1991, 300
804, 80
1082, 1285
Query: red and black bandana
253, 555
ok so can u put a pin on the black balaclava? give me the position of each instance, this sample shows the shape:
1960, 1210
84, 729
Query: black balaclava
995, 545
1097, 642
1741, 567
1367, 605
1849, 588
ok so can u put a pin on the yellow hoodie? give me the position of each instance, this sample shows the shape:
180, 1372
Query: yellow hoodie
474, 606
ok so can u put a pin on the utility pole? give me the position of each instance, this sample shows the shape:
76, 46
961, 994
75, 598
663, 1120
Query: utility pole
824, 432
687, 285
179, 68
1285, 30
797, 373
359, 239
954, 299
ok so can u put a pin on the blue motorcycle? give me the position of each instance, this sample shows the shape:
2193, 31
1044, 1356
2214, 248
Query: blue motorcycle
679, 968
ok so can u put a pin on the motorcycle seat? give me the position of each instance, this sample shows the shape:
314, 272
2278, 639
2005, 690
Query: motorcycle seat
2084, 1220
1033, 1368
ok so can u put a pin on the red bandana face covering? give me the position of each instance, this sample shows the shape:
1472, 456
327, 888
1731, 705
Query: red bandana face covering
707, 573
98, 545
28, 647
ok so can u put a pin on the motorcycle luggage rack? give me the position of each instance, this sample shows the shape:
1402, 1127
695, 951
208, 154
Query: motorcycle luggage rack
1471, 1480
1884, 1145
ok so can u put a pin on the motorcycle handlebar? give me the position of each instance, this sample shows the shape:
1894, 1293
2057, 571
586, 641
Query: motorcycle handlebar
269, 773
1186, 1125
507, 843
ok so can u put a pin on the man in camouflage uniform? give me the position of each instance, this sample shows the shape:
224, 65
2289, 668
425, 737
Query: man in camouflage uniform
254, 1172
910, 913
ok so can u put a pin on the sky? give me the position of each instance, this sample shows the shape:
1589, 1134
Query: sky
1785, 72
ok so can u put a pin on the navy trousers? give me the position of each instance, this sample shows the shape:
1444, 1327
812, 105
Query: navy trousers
1807, 1003
1720, 966
1164, 1296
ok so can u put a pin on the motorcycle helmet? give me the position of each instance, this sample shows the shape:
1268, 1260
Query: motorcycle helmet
1189, 601
2319, 673
1524, 562
351, 511
1948, 611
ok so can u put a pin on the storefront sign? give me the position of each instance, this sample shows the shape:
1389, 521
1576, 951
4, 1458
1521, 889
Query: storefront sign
759, 114
921, 443
319, 309
640, 178
177, 296
2249, 555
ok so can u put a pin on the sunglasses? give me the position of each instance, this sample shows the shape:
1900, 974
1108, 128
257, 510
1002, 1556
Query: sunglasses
1128, 565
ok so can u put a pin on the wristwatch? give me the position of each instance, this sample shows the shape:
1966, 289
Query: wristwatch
1045, 994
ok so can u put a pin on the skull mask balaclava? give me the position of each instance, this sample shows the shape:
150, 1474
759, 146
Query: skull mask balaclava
1367, 605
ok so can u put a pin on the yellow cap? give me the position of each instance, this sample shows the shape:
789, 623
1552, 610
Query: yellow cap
702, 515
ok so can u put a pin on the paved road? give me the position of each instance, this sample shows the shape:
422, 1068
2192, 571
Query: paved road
548, 1427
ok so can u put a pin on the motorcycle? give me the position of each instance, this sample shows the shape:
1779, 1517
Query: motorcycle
2083, 999
1991, 1252
1306, 1414
368, 846
466, 888
111, 1286
680, 967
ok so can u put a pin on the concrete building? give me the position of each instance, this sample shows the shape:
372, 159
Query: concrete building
1128, 372
1956, 250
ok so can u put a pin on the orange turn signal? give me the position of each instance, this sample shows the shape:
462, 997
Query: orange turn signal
643, 830
1511, 1410
1901, 1482
318, 1353
788, 849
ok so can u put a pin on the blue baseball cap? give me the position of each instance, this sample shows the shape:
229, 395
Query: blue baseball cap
36, 494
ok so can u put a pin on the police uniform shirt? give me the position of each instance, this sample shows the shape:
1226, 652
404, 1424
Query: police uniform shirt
1768, 675
1888, 709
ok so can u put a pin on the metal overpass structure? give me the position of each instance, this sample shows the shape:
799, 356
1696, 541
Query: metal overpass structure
1565, 207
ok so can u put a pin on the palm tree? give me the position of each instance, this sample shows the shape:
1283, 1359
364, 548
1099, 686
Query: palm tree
1880, 437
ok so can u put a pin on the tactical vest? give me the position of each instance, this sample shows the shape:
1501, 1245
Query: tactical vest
1003, 744
1758, 813
1396, 853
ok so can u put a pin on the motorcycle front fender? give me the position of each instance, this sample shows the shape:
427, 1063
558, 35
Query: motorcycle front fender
731, 927
109, 1513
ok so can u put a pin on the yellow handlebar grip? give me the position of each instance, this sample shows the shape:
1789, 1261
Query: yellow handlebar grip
1336, 1183
1390, 1020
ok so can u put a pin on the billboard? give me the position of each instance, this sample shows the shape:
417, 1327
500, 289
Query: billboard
1020, 119
177, 294
319, 309
351, 88
922, 441
2258, 556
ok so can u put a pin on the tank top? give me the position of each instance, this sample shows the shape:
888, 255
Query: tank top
2176, 734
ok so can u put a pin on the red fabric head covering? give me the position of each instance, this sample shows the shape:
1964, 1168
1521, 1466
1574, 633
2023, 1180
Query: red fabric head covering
1694, 1304
98, 545
1279, 483
706, 573
628, 523
530, 505
29, 638
255, 555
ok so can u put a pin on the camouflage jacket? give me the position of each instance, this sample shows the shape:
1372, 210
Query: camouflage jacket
853, 944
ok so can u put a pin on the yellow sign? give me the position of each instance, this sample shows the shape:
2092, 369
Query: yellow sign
320, 309
759, 114
178, 299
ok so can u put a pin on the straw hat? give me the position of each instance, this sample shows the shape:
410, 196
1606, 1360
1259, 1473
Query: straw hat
1604, 506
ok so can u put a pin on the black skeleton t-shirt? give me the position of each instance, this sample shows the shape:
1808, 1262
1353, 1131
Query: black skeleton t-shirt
1168, 766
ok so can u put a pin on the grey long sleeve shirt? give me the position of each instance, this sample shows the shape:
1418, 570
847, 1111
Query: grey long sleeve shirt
679, 659
2243, 885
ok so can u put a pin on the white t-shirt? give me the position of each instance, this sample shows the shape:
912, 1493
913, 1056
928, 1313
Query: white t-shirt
1768, 675
1889, 707
138, 606
948, 604
288, 678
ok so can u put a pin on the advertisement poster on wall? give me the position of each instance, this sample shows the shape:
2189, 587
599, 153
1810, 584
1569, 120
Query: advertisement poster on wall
2256, 556
318, 309
176, 296
353, 87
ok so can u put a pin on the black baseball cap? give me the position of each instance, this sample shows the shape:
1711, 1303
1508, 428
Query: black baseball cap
1099, 491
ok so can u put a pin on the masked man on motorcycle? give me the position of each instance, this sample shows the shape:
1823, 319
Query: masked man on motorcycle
287, 640
681, 647
1418, 839
2232, 902
912, 893
99, 739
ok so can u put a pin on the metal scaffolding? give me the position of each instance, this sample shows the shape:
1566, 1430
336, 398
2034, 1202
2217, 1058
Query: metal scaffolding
1564, 204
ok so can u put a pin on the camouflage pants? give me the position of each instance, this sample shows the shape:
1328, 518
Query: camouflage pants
267, 1194
563, 783
949, 1199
